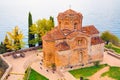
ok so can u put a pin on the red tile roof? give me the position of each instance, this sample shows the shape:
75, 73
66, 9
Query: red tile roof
54, 34
73, 34
66, 31
57, 34
90, 29
96, 40
48, 37
62, 46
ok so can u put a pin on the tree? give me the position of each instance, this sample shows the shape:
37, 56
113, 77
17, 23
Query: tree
7, 43
52, 19
30, 36
53, 65
115, 40
2, 48
40, 28
16, 39
109, 37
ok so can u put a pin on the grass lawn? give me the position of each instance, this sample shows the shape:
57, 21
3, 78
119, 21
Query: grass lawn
86, 72
36, 76
114, 73
113, 47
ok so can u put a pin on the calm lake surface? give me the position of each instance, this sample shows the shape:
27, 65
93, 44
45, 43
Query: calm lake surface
104, 14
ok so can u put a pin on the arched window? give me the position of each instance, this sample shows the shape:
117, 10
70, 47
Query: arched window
75, 26
79, 42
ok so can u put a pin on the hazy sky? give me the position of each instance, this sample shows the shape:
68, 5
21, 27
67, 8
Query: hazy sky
18, 9
98, 12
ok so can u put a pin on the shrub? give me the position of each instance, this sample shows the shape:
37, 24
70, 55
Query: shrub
96, 63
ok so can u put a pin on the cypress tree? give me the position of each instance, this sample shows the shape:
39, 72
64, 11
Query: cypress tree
52, 19
30, 36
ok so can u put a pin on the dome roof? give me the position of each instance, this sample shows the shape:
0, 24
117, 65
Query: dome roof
69, 12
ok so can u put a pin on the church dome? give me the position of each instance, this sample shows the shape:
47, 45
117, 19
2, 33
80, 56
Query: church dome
69, 14
70, 20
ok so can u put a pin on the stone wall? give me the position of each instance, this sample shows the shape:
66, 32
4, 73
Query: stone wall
97, 51
19, 51
7, 71
48, 53
62, 58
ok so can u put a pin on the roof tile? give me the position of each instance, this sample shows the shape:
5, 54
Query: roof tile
62, 46
90, 29
96, 40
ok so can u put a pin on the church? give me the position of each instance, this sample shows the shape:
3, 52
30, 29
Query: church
70, 43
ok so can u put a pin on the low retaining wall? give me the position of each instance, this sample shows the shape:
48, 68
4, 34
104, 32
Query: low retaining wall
112, 53
5, 75
19, 51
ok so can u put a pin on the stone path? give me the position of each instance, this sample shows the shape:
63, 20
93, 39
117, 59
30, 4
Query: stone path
19, 67
49, 74
97, 76
112, 61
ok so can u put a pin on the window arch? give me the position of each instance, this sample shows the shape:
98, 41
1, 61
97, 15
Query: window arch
79, 42
75, 25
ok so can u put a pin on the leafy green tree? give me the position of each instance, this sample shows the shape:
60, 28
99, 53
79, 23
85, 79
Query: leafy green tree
30, 36
115, 40
16, 39
109, 37
40, 28
2, 48
106, 36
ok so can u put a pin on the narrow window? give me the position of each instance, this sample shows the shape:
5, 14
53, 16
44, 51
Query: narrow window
80, 57
79, 42
75, 26
60, 23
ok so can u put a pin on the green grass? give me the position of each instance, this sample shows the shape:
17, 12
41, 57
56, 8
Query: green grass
116, 49
86, 72
36, 76
114, 73
113, 47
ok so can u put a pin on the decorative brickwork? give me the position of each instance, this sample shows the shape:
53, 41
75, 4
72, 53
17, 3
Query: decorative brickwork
70, 44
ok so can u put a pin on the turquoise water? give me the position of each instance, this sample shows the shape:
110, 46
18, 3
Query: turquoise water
104, 14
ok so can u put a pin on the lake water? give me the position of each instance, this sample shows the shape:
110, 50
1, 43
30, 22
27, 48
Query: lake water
104, 14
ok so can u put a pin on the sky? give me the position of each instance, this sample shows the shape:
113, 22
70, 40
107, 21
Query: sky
46, 8
98, 12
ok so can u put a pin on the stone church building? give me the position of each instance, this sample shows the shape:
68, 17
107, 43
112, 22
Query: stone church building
70, 43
